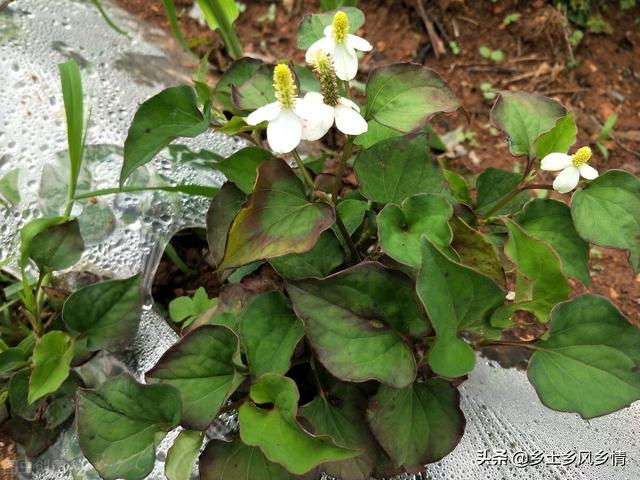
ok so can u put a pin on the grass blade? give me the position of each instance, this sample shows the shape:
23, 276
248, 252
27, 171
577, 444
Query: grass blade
107, 18
170, 8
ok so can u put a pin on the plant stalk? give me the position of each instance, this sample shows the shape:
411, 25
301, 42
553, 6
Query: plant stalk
305, 173
509, 196
337, 184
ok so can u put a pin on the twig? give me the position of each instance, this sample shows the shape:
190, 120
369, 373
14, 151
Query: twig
468, 20
436, 41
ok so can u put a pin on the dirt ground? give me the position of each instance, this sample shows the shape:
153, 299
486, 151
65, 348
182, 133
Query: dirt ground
604, 81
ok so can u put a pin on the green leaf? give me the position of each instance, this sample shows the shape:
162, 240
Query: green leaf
51, 364
9, 189
277, 219
71, 82
270, 332
419, 424
397, 168
187, 308
183, 454
223, 209
30, 231
352, 213
341, 416
607, 212
58, 246
107, 314
241, 167
166, 116
476, 251
312, 26
121, 423
493, 185
458, 186
239, 72
456, 298
550, 221
53, 409
355, 323
524, 117
405, 96
227, 7
589, 363
201, 366
318, 262
277, 432
559, 138
255, 92
540, 283
12, 359
400, 228
234, 460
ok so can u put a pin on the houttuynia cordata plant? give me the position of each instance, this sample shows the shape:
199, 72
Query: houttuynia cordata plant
375, 291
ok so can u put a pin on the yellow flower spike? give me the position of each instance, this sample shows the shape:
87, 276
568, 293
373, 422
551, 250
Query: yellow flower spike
340, 27
582, 156
284, 85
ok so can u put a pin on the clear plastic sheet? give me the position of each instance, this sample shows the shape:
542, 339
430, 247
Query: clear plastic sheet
126, 234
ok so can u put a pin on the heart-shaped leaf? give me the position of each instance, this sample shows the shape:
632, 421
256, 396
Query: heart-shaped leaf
456, 298
397, 168
419, 424
277, 432
223, 209
234, 460
107, 314
164, 117
51, 364
342, 417
559, 138
404, 96
355, 323
58, 246
270, 332
607, 212
183, 454
400, 228
121, 423
201, 366
476, 251
589, 363
524, 117
492, 186
550, 221
239, 72
255, 92
318, 262
277, 219
540, 283
241, 167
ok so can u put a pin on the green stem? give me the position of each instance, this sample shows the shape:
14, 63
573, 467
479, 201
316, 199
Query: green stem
509, 196
347, 238
305, 173
204, 191
347, 88
337, 184
227, 32
526, 345
170, 251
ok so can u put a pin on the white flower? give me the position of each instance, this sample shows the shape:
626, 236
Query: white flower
286, 116
346, 115
341, 45
572, 166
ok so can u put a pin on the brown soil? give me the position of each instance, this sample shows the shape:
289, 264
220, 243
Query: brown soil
605, 81
7, 456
